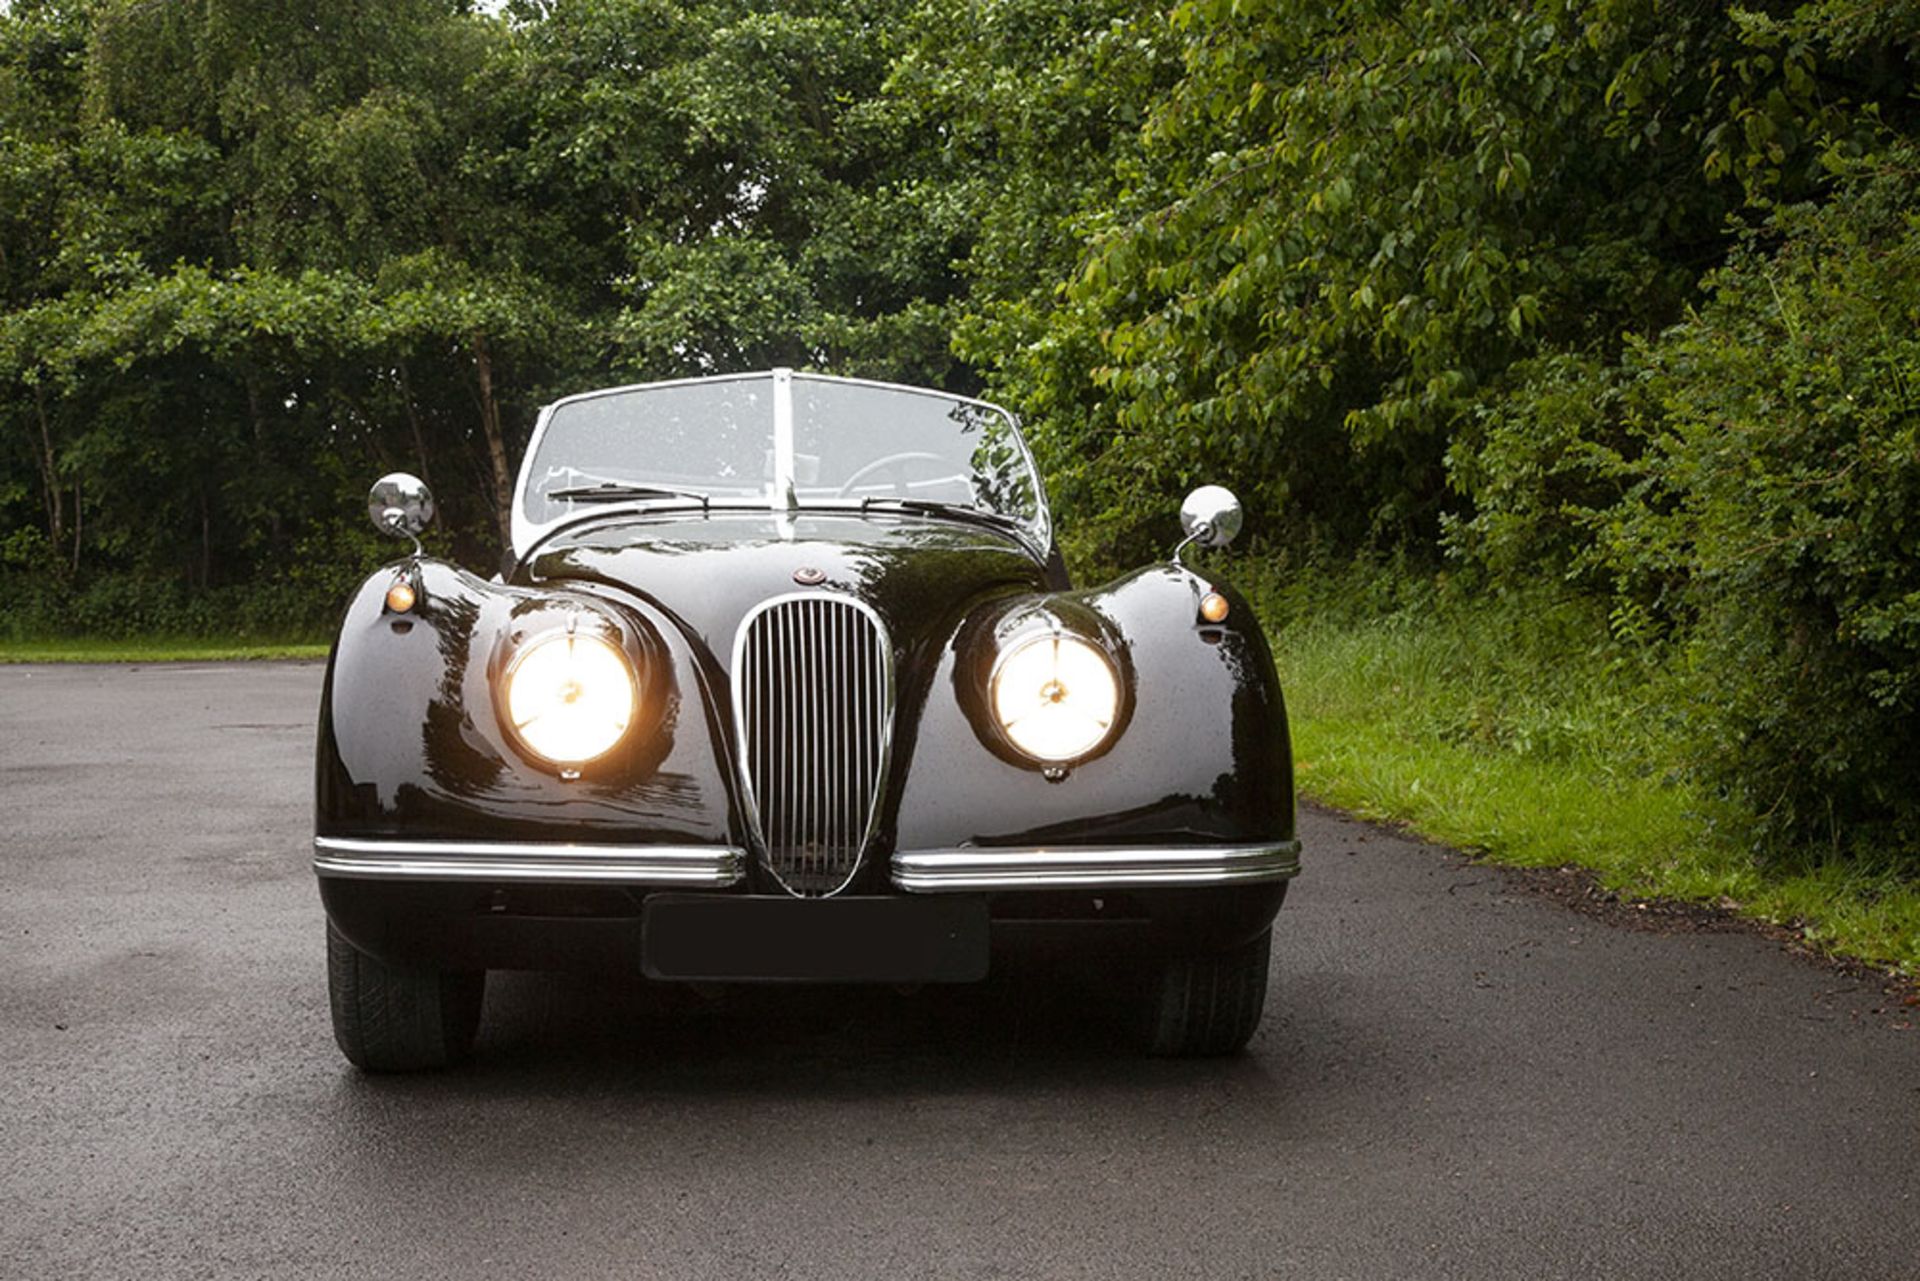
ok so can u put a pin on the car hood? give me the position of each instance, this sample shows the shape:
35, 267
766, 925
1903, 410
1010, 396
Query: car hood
708, 569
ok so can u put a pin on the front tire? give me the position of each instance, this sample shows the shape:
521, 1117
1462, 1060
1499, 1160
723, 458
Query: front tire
390, 1018
1208, 1005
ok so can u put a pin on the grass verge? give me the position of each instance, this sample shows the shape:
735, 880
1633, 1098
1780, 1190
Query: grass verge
152, 650
1519, 729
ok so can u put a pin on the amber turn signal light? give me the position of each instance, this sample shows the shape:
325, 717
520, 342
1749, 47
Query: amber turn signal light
400, 597
1213, 607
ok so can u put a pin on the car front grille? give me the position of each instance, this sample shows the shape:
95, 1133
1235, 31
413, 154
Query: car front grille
813, 698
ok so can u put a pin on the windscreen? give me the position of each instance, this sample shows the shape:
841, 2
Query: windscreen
716, 438
712, 437
853, 441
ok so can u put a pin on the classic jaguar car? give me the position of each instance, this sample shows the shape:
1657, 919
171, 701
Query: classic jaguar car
785, 680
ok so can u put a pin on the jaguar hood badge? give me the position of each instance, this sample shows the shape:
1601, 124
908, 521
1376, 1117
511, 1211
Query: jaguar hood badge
808, 576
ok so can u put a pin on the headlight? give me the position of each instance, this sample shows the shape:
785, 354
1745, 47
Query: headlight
570, 696
1055, 696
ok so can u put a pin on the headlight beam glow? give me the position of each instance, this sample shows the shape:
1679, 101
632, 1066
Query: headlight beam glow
570, 696
1055, 696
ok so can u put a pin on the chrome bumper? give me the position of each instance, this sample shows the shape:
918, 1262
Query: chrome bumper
719, 866
931, 871
701, 866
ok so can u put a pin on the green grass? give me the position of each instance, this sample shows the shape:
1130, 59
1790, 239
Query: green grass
152, 650
1519, 729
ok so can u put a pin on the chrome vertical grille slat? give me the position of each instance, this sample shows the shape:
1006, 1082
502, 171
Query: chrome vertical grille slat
813, 709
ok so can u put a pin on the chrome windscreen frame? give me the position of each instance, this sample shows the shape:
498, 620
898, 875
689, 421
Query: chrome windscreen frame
525, 532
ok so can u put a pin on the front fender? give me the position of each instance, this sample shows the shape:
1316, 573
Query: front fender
411, 742
1203, 755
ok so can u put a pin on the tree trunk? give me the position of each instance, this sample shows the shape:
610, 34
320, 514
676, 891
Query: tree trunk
206, 542
496, 440
413, 422
78, 511
56, 518
262, 456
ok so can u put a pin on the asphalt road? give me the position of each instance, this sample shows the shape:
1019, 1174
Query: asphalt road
1455, 1079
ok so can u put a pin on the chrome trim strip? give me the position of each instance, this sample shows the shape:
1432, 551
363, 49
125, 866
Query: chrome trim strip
780, 488
931, 871
710, 866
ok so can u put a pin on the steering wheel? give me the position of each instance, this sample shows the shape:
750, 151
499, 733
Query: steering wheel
891, 460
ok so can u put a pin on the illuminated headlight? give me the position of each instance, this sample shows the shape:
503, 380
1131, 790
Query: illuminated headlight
570, 697
1055, 696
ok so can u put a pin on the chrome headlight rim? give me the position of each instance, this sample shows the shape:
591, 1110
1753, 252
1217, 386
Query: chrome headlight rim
1024, 637
573, 628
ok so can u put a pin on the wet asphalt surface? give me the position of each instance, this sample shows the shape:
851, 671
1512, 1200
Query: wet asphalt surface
1455, 1078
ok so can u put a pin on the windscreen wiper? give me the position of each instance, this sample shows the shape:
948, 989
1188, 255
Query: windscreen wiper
953, 511
613, 492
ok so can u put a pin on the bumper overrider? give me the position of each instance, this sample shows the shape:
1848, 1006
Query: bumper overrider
970, 870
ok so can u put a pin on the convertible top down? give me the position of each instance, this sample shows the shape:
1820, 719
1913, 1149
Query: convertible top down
786, 681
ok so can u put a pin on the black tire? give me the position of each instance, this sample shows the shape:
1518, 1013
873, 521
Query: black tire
390, 1018
1201, 1006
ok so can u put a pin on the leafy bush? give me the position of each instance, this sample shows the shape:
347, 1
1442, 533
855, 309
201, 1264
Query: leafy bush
1751, 479
1343, 227
292, 596
1785, 478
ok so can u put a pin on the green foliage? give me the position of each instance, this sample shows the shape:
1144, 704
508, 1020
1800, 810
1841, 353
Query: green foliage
1746, 481
1038, 107
1341, 229
1784, 483
253, 254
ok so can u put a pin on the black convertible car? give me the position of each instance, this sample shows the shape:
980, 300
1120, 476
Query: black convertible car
786, 681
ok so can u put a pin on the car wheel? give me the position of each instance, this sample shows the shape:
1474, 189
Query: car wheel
391, 1018
1209, 1004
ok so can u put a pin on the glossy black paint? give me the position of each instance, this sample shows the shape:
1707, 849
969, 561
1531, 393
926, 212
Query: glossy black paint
707, 571
412, 742
1202, 756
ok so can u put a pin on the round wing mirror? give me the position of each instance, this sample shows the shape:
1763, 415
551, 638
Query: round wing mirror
1211, 516
400, 505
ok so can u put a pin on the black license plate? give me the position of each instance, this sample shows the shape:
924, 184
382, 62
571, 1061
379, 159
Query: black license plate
727, 937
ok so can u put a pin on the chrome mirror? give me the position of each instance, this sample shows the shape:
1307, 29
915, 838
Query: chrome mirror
400, 506
1211, 517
